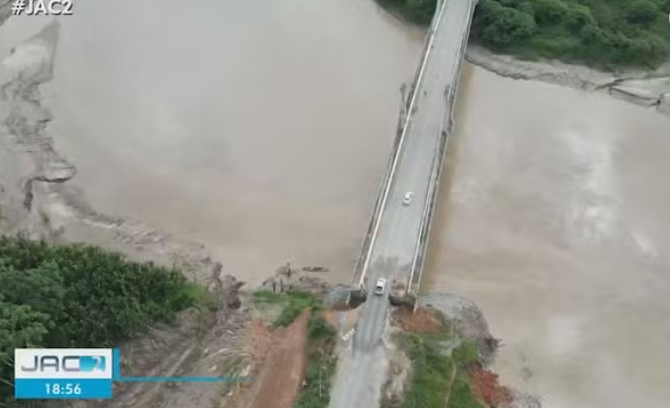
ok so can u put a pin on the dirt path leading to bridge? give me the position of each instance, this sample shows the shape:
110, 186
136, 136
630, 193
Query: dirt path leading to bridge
280, 376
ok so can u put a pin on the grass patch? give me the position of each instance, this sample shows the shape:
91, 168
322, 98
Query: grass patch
199, 297
321, 364
462, 395
293, 303
268, 297
433, 368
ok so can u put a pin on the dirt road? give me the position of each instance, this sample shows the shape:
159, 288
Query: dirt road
283, 371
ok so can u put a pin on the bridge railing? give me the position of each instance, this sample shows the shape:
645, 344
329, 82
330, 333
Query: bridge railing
357, 277
436, 172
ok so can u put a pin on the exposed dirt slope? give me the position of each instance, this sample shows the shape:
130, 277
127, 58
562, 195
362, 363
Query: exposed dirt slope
200, 343
282, 373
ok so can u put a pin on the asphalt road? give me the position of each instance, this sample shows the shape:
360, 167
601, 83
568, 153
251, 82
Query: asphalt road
397, 237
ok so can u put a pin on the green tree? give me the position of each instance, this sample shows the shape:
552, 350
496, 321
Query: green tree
642, 12
40, 288
549, 12
509, 26
20, 326
578, 17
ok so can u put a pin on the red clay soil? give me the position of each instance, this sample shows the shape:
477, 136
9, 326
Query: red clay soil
421, 321
281, 375
485, 384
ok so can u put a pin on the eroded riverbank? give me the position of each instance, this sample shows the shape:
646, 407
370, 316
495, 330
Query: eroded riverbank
650, 89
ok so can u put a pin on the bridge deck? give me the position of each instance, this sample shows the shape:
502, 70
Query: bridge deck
397, 241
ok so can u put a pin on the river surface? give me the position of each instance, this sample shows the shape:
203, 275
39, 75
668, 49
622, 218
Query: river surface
262, 129
554, 218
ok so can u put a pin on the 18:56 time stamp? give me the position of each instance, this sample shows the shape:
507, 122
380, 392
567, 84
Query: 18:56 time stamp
42, 7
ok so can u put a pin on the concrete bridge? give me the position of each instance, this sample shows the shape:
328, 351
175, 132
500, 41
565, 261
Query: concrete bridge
397, 237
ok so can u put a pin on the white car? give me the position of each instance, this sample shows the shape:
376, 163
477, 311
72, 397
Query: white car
380, 287
408, 199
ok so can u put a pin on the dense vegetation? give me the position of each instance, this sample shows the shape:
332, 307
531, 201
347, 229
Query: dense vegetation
604, 33
78, 296
439, 379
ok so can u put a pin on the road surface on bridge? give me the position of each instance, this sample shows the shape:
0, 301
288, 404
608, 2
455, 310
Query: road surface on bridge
394, 241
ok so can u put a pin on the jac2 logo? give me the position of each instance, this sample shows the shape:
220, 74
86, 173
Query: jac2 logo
72, 363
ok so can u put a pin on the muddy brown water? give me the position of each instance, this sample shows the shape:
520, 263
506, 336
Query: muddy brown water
258, 127
261, 128
554, 219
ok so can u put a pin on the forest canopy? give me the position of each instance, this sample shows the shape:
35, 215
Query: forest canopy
78, 296
603, 33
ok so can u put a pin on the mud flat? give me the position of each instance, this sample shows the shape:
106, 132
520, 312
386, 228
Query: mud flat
5, 12
644, 88
36, 198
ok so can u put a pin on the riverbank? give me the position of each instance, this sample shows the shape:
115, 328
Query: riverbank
5, 12
599, 34
647, 88
36, 198
650, 89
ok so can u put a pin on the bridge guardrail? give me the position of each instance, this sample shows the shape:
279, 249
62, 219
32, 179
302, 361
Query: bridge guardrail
436, 173
375, 212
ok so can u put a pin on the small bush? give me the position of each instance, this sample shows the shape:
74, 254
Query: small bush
298, 302
268, 297
466, 354
462, 395
320, 330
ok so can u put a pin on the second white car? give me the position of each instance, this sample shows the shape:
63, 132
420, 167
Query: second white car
408, 198
380, 287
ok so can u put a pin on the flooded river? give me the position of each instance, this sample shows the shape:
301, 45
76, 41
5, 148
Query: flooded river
262, 128
554, 219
